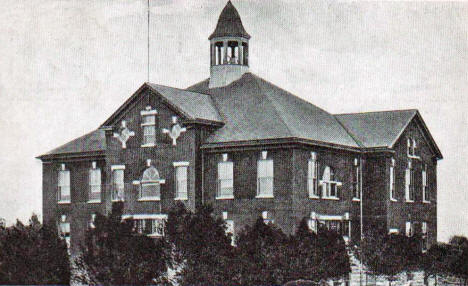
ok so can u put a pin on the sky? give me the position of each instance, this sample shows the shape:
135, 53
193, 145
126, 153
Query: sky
65, 66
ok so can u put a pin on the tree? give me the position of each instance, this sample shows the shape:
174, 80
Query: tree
390, 254
318, 256
436, 260
263, 255
459, 264
33, 254
114, 254
200, 247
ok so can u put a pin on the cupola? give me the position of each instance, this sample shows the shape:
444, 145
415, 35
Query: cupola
229, 48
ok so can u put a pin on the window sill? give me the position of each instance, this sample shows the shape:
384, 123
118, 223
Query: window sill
148, 145
264, 197
117, 200
153, 235
414, 157
181, 199
64, 202
225, 198
94, 201
149, 199
426, 202
356, 199
409, 201
393, 200
331, 198
315, 197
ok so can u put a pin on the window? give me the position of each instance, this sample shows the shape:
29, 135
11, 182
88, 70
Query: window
267, 218
92, 220
63, 192
409, 183
425, 189
148, 124
94, 194
150, 227
150, 184
229, 227
329, 184
64, 229
264, 177
118, 186
424, 240
409, 229
225, 179
356, 181
181, 181
312, 223
312, 181
411, 148
392, 180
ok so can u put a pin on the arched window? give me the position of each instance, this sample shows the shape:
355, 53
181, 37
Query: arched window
329, 184
150, 184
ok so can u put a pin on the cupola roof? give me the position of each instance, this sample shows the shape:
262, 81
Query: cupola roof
229, 24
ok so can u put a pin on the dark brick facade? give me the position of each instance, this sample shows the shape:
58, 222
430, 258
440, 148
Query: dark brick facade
291, 201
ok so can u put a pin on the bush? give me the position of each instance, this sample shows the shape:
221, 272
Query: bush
114, 254
391, 254
201, 249
33, 254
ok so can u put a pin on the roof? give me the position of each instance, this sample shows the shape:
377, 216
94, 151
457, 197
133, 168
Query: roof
383, 128
255, 109
94, 141
192, 105
229, 24
376, 129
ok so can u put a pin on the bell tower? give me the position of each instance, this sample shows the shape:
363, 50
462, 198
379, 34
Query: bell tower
229, 48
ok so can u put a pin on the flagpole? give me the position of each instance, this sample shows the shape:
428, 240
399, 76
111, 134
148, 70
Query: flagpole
148, 41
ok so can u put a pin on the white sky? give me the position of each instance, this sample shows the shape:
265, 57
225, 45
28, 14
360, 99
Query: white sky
65, 66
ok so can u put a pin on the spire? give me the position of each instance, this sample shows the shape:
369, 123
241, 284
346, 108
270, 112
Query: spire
229, 24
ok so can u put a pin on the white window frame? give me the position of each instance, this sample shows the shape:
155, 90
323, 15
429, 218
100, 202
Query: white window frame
229, 227
267, 218
94, 186
328, 184
392, 179
65, 229
409, 183
145, 183
179, 182
225, 179
424, 236
409, 229
63, 173
151, 113
411, 148
120, 192
157, 223
425, 188
269, 165
312, 177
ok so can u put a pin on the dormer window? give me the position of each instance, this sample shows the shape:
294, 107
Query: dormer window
63, 188
148, 125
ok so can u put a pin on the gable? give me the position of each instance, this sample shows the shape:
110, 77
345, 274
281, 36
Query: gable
417, 129
384, 128
190, 106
